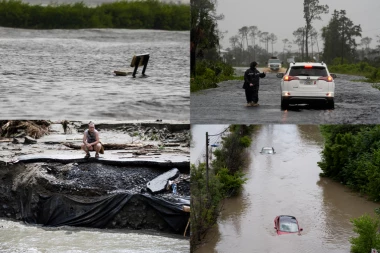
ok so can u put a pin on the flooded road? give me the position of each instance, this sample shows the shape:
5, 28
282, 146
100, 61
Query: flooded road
287, 183
60, 74
17, 237
355, 103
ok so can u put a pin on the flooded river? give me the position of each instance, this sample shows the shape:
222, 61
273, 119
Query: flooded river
17, 237
68, 74
287, 183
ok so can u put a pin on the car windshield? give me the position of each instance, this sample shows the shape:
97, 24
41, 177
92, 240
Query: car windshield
267, 151
274, 61
288, 224
313, 71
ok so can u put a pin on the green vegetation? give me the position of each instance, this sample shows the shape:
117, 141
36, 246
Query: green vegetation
369, 237
225, 179
206, 66
149, 14
352, 156
209, 73
361, 69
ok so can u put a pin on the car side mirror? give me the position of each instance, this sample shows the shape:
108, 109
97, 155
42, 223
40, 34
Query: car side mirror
280, 75
333, 76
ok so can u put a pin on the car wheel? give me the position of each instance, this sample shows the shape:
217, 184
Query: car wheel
330, 104
284, 104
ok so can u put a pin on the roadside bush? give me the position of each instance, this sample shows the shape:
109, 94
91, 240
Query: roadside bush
231, 183
209, 73
367, 228
204, 205
352, 156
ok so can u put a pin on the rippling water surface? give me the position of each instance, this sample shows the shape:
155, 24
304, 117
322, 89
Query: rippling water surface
69, 74
17, 237
288, 183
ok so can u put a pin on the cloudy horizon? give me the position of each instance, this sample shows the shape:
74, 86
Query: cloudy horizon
282, 18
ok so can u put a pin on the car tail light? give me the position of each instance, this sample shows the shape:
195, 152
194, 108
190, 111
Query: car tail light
290, 78
308, 66
326, 78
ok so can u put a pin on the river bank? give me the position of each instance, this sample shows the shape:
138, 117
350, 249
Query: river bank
149, 14
288, 183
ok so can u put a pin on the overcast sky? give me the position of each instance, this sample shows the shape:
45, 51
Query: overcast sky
282, 17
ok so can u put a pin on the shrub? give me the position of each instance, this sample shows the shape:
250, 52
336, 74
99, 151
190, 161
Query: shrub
368, 238
231, 183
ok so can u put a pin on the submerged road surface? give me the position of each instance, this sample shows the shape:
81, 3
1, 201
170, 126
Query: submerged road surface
355, 103
287, 183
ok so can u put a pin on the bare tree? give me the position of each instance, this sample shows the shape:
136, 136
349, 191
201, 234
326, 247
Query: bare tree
273, 39
365, 42
299, 35
243, 32
265, 39
233, 41
312, 11
285, 41
253, 32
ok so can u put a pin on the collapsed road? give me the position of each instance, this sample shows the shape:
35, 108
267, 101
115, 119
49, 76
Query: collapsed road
50, 183
355, 103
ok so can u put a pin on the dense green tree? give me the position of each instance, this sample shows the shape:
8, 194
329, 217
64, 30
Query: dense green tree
312, 11
339, 38
204, 33
367, 229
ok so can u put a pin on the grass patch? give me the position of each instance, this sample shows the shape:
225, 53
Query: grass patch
371, 73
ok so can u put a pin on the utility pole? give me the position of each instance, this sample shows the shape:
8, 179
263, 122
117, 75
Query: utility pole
207, 140
341, 61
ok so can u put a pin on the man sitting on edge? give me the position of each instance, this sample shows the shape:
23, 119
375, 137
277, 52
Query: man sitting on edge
91, 141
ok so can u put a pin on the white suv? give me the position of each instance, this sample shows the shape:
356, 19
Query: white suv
304, 82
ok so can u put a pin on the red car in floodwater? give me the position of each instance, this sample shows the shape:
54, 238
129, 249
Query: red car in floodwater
286, 224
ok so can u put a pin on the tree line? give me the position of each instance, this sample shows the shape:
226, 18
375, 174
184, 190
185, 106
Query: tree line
338, 36
224, 178
148, 14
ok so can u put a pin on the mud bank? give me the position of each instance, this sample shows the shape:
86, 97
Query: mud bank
50, 183
91, 195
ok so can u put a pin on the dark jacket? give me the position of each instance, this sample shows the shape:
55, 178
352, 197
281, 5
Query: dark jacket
252, 75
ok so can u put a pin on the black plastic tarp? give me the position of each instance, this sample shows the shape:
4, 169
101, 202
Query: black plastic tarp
61, 210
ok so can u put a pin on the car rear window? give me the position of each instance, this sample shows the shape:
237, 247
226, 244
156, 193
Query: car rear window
313, 71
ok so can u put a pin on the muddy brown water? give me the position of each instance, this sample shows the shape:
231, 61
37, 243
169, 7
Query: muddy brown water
287, 182
56, 74
18, 237
355, 103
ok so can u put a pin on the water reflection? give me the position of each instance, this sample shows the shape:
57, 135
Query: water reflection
287, 183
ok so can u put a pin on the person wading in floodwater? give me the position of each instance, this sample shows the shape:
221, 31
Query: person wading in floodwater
251, 84
91, 141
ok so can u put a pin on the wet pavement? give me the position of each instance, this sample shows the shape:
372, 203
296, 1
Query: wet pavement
287, 183
355, 103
